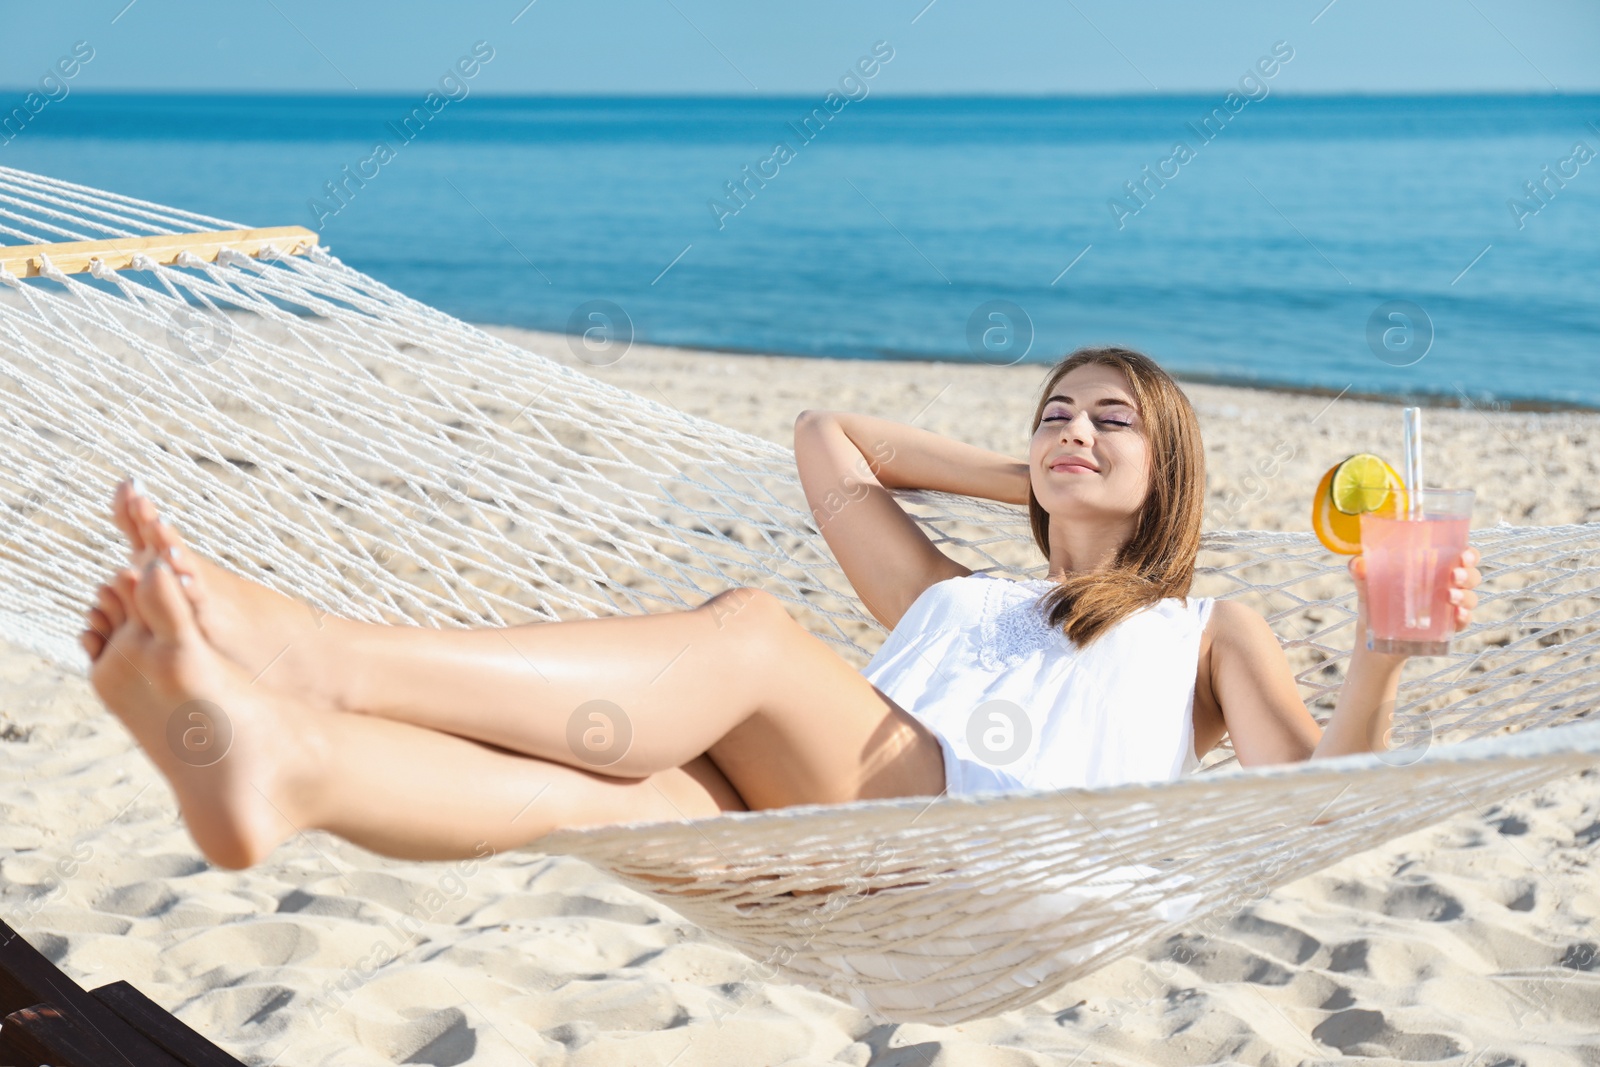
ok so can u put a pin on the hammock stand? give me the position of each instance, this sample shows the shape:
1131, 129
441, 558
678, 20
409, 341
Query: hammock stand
315, 430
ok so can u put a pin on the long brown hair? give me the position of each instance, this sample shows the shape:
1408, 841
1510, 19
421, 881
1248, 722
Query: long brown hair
1158, 560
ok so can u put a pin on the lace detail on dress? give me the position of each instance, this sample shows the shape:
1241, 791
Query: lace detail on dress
1013, 626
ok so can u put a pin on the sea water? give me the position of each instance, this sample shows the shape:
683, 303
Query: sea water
1399, 245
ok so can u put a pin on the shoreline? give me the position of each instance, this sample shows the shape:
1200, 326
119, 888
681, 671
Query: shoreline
1418, 398
1265, 448
1439, 401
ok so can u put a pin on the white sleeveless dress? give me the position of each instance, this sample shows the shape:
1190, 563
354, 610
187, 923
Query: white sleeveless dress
1016, 705
1048, 715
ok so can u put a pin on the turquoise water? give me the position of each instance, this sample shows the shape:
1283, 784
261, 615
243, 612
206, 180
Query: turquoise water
1275, 254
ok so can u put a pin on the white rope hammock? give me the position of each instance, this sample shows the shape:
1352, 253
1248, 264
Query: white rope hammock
319, 432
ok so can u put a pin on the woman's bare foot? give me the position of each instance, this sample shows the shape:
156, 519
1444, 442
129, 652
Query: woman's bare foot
242, 761
108, 612
286, 644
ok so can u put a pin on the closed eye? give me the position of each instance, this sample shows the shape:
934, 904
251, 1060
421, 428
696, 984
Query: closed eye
1103, 422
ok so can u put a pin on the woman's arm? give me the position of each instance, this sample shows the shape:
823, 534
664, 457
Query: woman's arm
1260, 700
906, 457
1364, 713
848, 463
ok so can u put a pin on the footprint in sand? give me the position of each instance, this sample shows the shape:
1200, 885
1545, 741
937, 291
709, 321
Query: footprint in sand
1362, 1032
246, 946
1582, 956
251, 1011
1340, 999
142, 900
1350, 956
298, 901
1222, 961
1418, 900
447, 1039
1284, 942
1510, 825
1424, 901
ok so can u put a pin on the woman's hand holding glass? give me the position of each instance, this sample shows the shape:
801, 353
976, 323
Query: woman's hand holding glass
1464, 578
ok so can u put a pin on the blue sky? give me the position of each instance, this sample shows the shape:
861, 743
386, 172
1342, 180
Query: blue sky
734, 48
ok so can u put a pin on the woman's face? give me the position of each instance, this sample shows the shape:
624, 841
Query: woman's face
1089, 457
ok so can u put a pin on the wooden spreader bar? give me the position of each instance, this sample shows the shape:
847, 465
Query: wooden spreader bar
72, 257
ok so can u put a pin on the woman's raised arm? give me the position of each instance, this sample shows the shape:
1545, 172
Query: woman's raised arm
849, 462
907, 457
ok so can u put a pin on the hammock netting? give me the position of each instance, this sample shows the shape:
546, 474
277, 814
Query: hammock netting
315, 430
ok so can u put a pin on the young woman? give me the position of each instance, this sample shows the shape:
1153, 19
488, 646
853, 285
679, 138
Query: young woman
432, 744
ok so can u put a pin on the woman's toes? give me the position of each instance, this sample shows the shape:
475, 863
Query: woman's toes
150, 524
92, 643
124, 503
161, 605
240, 776
167, 543
125, 584
124, 581
99, 624
144, 513
110, 604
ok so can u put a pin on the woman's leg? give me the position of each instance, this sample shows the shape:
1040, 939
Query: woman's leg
782, 715
251, 767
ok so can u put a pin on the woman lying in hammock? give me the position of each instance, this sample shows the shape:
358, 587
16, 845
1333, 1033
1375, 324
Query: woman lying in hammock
431, 744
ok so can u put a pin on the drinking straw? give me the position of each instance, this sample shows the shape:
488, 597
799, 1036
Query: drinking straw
1413, 475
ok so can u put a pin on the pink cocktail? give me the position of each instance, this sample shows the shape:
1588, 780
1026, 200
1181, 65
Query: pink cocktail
1408, 573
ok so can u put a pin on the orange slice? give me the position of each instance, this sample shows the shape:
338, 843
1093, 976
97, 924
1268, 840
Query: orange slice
1364, 483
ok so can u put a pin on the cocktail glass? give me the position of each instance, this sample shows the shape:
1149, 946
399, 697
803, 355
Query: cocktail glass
1409, 560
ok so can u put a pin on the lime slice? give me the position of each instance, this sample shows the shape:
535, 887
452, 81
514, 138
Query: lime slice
1362, 483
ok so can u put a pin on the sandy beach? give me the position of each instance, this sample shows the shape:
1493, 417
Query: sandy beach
1473, 942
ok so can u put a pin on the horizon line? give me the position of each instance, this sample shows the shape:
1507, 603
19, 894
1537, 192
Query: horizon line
808, 95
